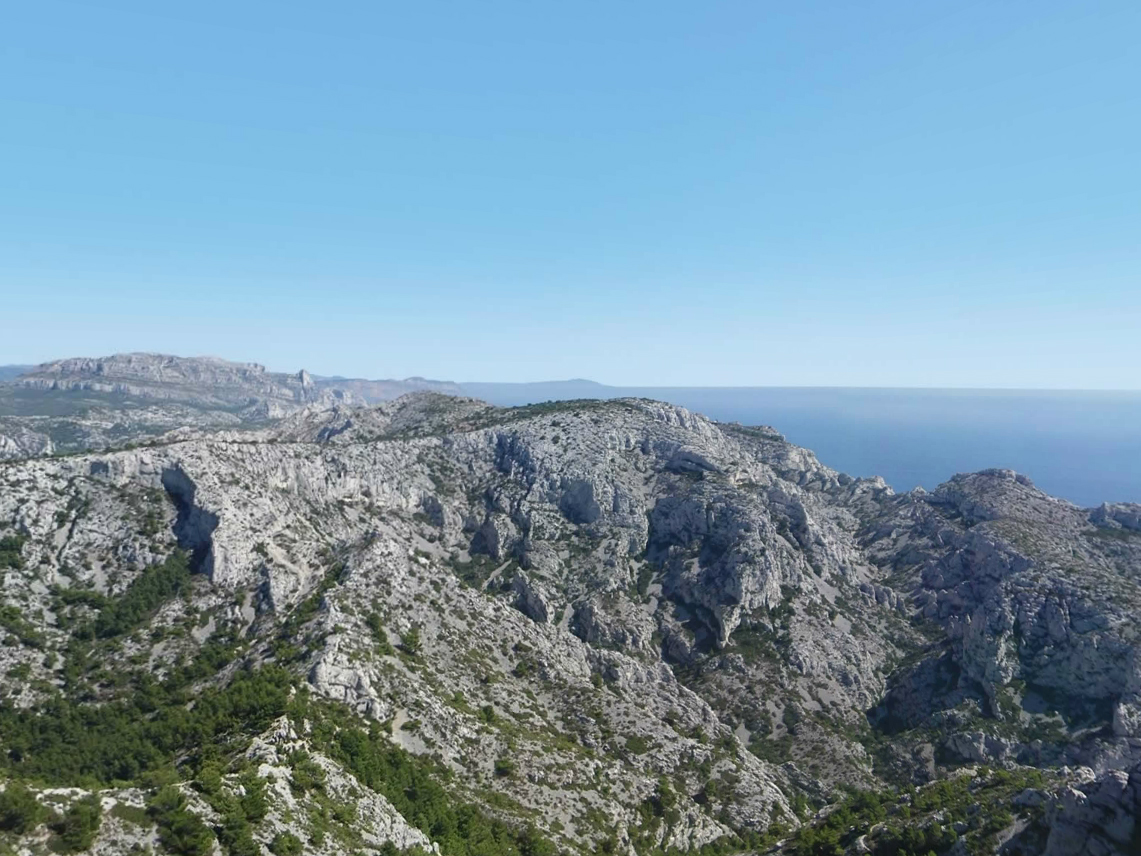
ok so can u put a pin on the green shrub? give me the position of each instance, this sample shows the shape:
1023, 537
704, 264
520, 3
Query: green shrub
235, 832
20, 672
77, 829
286, 844
307, 774
209, 778
130, 814
254, 804
20, 811
410, 641
532, 843
11, 551
637, 745
383, 647
180, 830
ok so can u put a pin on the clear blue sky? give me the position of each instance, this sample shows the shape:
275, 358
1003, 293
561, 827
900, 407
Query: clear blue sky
871, 193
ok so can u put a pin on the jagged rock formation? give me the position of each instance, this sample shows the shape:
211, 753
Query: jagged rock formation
618, 621
1098, 815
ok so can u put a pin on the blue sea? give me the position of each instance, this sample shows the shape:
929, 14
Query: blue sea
1082, 446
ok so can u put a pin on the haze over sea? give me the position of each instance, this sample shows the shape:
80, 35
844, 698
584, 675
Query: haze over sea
1083, 446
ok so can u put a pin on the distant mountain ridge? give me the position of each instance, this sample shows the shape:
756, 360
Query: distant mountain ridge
211, 380
196, 380
94, 402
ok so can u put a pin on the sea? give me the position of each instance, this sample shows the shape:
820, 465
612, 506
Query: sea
1084, 446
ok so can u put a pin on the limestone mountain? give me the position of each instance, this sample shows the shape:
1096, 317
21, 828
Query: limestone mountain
590, 626
170, 378
82, 403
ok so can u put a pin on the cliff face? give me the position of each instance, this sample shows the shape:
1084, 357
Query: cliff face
617, 621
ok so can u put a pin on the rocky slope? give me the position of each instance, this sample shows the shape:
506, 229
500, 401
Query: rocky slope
587, 626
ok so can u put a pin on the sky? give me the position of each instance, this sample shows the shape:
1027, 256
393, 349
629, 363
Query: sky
653, 193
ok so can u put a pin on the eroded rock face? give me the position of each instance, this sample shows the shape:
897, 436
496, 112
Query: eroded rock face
1035, 602
615, 592
19, 439
1098, 817
1118, 515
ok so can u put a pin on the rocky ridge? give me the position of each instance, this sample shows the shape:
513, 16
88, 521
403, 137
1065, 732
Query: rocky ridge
616, 622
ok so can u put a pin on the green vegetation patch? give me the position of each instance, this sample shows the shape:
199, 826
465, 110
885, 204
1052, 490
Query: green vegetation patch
11, 551
20, 812
180, 830
155, 586
21, 631
921, 821
66, 742
76, 829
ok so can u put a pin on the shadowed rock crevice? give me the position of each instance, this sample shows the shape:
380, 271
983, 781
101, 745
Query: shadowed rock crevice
577, 502
194, 526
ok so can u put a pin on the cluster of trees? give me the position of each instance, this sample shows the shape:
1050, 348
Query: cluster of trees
76, 829
180, 830
383, 646
20, 811
11, 551
238, 814
70, 743
854, 817
286, 844
146, 593
982, 803
13, 623
118, 616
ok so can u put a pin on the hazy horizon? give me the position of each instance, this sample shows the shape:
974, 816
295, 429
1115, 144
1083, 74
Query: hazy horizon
8, 371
